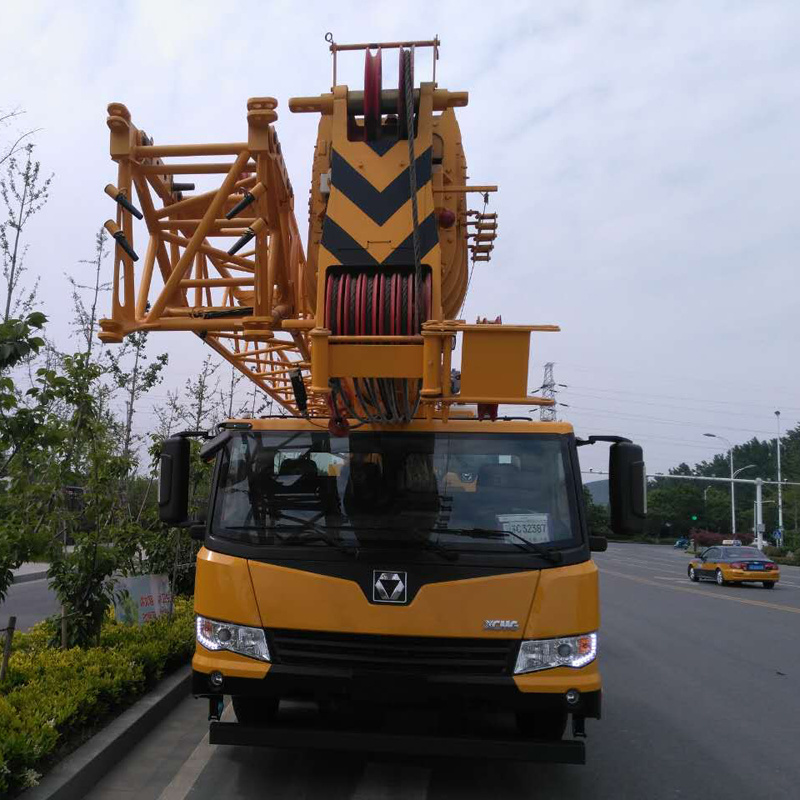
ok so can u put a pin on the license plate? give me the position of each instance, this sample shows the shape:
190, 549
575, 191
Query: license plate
759, 567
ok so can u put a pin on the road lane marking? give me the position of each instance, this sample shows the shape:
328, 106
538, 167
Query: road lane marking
392, 782
661, 561
671, 556
638, 566
666, 557
186, 777
745, 601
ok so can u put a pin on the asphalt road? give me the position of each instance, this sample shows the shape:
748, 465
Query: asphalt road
30, 602
701, 700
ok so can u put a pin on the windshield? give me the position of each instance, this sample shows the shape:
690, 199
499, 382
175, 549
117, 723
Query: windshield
463, 491
742, 552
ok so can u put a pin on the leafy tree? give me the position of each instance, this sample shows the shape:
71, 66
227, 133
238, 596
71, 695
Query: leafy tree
199, 410
676, 501
24, 194
137, 380
19, 339
228, 394
77, 494
85, 315
597, 517
256, 403
12, 147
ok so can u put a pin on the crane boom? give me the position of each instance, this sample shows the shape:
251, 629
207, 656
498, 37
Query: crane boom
365, 326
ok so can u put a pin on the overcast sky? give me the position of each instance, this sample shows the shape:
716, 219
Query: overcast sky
646, 154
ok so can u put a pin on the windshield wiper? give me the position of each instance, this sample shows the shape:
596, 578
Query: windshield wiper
414, 538
320, 534
549, 553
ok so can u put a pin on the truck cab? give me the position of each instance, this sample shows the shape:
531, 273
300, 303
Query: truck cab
442, 566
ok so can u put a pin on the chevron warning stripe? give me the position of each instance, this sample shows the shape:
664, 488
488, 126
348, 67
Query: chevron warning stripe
350, 253
379, 206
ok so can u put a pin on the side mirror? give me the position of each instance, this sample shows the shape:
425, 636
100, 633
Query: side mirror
627, 489
598, 544
173, 485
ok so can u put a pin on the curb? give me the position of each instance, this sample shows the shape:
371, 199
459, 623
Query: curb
72, 778
30, 576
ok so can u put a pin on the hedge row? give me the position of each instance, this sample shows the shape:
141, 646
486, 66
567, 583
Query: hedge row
704, 538
51, 696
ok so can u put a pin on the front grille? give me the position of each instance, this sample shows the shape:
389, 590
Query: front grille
409, 654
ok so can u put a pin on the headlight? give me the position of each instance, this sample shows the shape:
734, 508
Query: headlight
236, 638
568, 651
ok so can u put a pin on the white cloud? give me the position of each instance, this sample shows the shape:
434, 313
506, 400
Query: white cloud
645, 153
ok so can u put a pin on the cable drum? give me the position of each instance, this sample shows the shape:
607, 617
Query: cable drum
366, 303
360, 303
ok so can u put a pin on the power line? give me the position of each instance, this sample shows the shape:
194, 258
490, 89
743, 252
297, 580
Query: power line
682, 379
662, 420
662, 405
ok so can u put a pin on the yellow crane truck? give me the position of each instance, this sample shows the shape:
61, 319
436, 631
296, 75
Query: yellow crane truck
389, 550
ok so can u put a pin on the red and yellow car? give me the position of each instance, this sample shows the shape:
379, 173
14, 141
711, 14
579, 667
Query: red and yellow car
734, 565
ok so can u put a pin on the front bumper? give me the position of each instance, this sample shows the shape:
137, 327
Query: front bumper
386, 688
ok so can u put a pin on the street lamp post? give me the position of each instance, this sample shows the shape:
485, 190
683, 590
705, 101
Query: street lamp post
733, 501
758, 518
742, 469
780, 496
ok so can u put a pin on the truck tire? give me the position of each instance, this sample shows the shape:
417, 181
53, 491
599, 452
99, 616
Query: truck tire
548, 725
255, 710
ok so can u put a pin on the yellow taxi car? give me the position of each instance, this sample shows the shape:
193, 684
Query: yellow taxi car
734, 565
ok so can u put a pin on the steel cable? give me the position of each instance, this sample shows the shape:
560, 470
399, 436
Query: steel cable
408, 62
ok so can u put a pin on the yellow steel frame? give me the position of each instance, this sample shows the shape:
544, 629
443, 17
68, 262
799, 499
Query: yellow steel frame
262, 309
249, 307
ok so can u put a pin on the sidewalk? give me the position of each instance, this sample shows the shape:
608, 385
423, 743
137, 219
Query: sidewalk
30, 571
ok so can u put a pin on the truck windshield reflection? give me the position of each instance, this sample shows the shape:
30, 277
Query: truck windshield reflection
465, 491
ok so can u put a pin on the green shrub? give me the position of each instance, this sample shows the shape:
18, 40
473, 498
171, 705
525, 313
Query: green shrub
50, 695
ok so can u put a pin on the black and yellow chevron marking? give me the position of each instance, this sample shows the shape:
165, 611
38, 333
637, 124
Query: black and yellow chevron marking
383, 146
350, 253
380, 207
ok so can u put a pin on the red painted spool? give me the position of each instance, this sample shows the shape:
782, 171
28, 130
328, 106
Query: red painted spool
344, 305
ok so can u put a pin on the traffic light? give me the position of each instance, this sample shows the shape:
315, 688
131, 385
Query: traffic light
694, 517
